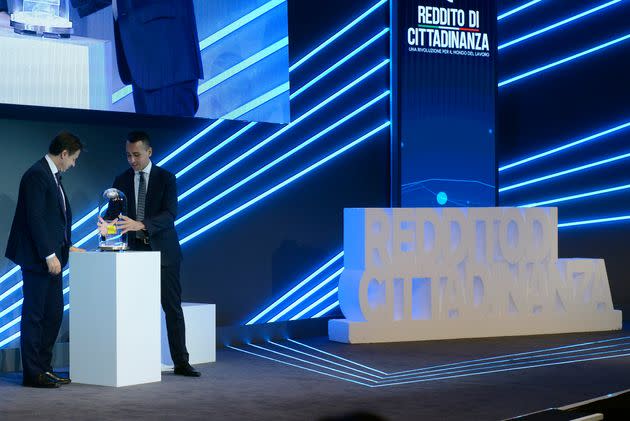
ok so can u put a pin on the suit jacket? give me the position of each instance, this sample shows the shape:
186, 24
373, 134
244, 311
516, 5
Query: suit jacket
160, 211
3, 6
156, 40
39, 223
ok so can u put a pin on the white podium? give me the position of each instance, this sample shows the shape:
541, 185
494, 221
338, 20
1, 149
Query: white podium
115, 318
200, 320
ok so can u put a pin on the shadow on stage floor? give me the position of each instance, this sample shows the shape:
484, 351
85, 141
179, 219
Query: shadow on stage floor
312, 379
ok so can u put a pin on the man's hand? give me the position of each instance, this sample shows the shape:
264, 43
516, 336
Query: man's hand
5, 19
126, 224
54, 266
103, 224
77, 249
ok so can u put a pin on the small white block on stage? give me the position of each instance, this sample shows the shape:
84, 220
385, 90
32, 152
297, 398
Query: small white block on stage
200, 334
115, 318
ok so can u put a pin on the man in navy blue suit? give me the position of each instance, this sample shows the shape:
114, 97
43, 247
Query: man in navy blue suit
157, 50
40, 243
152, 196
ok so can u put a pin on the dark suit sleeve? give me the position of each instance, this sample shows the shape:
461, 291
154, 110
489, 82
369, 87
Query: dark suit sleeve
3, 6
87, 7
165, 219
35, 192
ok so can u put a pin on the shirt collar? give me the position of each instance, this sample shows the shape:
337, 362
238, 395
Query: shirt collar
146, 170
51, 164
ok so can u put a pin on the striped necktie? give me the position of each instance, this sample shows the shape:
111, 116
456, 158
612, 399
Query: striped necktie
142, 195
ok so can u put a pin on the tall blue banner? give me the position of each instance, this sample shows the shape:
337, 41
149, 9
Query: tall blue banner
445, 75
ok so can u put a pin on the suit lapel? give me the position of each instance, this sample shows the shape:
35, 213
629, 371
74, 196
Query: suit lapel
151, 191
53, 181
131, 200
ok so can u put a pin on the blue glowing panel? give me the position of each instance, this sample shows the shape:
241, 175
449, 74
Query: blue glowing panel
233, 53
446, 90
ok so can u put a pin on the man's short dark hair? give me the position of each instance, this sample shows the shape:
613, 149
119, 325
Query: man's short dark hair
65, 141
143, 137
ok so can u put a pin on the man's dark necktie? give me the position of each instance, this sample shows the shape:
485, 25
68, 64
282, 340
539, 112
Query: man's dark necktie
62, 203
142, 195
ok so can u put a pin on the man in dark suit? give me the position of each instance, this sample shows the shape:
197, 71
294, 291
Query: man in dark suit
152, 206
157, 50
39, 242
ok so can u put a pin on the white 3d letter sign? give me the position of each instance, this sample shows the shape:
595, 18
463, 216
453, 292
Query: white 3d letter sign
420, 274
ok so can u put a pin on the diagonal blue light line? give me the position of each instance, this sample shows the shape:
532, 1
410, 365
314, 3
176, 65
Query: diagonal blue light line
278, 133
305, 296
335, 356
294, 289
283, 184
297, 366
558, 24
564, 60
248, 62
337, 35
222, 33
239, 23
317, 302
9, 274
340, 63
564, 147
576, 196
313, 363
325, 360
594, 221
257, 102
326, 310
517, 9
565, 172
189, 142
271, 164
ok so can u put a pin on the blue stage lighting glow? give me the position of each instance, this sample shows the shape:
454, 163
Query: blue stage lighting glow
325, 311
323, 298
9, 339
576, 196
294, 289
565, 172
281, 131
558, 24
442, 198
269, 165
336, 356
11, 290
305, 296
337, 35
295, 365
340, 62
594, 221
564, 60
9, 274
248, 62
292, 357
517, 9
284, 183
564, 147
325, 360
257, 102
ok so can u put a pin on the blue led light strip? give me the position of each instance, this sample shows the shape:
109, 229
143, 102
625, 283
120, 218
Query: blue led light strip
336, 356
294, 289
222, 33
268, 166
305, 296
564, 60
326, 310
337, 35
577, 196
565, 172
564, 147
517, 9
248, 62
325, 360
558, 24
295, 365
284, 183
367, 379
279, 132
323, 298
594, 221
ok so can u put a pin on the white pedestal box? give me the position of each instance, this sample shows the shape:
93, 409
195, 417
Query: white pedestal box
200, 335
115, 318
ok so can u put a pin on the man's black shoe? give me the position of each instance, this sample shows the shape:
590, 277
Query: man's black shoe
57, 378
186, 370
41, 381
